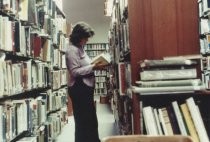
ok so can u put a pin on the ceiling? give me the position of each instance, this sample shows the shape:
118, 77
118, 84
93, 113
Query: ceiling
90, 11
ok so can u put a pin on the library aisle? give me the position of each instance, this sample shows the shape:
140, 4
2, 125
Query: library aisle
106, 124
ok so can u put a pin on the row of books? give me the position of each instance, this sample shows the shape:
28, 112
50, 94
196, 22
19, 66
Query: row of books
100, 85
56, 122
124, 76
204, 7
94, 53
28, 10
24, 10
100, 79
101, 82
205, 40
122, 111
100, 91
206, 79
123, 4
17, 77
56, 99
205, 74
52, 27
50, 130
27, 75
97, 47
18, 116
184, 119
119, 35
204, 28
59, 78
35, 12
58, 60
101, 73
15, 114
204, 44
23, 40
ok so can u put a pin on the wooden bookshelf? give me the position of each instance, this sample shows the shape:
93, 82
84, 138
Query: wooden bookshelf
155, 29
160, 29
32, 70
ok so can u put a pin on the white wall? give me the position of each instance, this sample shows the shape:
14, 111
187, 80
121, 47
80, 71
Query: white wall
92, 12
101, 34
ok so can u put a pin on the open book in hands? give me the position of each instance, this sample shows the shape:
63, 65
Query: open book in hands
103, 59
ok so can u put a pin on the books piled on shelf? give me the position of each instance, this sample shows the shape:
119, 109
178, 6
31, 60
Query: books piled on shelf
168, 75
177, 118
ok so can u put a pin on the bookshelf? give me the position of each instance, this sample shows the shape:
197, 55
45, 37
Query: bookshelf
156, 29
94, 49
32, 70
204, 39
120, 70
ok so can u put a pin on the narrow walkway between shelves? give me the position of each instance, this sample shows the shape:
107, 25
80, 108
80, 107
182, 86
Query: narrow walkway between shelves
106, 124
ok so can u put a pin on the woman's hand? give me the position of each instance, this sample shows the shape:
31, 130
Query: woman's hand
99, 66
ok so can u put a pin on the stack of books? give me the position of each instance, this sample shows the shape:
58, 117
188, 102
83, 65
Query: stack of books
168, 75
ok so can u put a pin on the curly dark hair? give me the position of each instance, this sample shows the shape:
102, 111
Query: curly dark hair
80, 31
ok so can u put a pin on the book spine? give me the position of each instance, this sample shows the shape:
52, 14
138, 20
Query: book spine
149, 120
164, 83
162, 123
179, 118
122, 79
167, 121
189, 122
197, 119
157, 120
168, 74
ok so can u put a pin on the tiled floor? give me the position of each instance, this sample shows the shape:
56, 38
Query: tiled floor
105, 121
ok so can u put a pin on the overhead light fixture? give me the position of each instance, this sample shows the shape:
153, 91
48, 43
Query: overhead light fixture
108, 5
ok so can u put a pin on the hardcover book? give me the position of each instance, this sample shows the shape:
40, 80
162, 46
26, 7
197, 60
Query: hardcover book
165, 83
189, 122
104, 58
149, 120
173, 62
197, 119
184, 57
167, 121
179, 118
168, 89
122, 78
168, 74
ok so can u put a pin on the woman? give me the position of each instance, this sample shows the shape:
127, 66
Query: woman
81, 84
